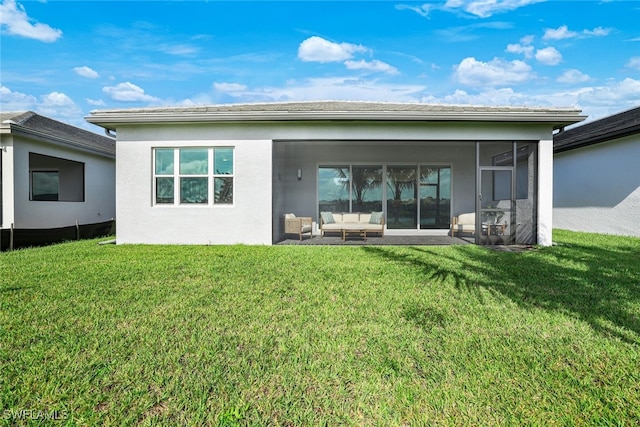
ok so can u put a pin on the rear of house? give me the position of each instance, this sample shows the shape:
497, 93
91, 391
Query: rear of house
228, 174
56, 181
597, 176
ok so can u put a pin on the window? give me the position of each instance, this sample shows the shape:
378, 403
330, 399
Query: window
203, 176
53, 179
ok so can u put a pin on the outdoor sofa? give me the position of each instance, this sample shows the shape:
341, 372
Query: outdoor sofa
364, 223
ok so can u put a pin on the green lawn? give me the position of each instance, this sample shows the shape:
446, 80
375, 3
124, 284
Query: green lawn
309, 335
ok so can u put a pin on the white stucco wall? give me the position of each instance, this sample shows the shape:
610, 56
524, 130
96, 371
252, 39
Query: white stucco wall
6, 169
248, 220
545, 192
597, 188
99, 193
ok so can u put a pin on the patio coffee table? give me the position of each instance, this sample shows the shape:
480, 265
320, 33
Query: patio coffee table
362, 232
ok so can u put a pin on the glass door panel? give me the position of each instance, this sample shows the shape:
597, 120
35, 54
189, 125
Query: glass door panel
435, 197
366, 189
402, 197
333, 188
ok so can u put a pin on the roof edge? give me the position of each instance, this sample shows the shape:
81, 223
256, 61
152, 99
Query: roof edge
633, 130
24, 131
109, 119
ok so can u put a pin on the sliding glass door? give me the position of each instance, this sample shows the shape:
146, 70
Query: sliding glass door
416, 196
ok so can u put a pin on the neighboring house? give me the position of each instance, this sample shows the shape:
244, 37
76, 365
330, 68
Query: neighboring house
228, 174
57, 181
597, 176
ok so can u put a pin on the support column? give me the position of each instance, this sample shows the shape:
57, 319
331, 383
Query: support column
545, 192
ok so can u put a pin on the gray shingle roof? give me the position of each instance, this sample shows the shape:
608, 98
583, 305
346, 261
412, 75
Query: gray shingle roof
334, 106
612, 127
33, 124
333, 110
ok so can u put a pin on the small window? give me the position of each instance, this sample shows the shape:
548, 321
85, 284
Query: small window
204, 176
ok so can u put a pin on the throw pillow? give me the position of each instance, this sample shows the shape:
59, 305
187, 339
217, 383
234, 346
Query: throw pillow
327, 217
376, 218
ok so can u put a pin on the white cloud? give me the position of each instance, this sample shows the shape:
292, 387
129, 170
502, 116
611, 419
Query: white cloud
527, 40
487, 8
596, 102
178, 49
317, 49
497, 72
374, 66
634, 63
615, 94
527, 51
573, 76
128, 92
59, 106
16, 101
229, 87
334, 88
498, 97
549, 56
86, 72
95, 102
563, 32
480, 8
14, 21
56, 99
422, 10
598, 32
559, 33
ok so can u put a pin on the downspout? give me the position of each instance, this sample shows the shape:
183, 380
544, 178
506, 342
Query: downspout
109, 134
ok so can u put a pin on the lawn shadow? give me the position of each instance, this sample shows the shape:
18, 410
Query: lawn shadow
598, 285
14, 288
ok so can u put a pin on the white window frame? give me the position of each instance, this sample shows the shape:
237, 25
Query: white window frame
177, 176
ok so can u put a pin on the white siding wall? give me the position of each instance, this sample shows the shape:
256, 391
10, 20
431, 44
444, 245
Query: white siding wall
99, 203
597, 188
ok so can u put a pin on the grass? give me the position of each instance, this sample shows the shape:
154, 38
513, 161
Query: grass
294, 335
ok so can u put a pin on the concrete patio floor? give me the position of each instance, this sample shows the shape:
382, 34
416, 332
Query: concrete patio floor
376, 240
398, 241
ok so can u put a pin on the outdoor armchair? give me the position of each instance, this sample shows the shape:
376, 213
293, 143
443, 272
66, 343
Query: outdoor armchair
297, 225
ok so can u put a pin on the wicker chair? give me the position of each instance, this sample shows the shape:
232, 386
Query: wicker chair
297, 225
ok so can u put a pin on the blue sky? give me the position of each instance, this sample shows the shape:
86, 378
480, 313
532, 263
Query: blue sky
63, 59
